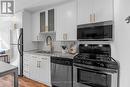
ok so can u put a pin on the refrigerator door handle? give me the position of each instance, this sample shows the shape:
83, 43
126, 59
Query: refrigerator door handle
19, 43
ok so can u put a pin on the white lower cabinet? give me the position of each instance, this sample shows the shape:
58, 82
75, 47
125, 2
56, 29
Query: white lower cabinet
33, 67
37, 68
44, 66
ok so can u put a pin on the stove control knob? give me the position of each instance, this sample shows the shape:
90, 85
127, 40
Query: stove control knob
84, 62
89, 63
78, 61
102, 65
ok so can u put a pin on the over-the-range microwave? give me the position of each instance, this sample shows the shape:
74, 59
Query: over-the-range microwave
101, 31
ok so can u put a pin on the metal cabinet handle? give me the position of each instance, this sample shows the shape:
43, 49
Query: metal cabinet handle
37, 37
38, 64
94, 18
90, 17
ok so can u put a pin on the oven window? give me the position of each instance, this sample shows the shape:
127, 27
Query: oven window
92, 78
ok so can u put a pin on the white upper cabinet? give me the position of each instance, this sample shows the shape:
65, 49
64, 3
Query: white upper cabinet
35, 26
42, 21
44, 73
66, 21
84, 11
103, 10
91, 11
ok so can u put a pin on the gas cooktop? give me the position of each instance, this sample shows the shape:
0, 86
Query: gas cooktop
95, 55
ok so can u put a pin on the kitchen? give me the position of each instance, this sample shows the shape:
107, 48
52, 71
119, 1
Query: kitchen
55, 34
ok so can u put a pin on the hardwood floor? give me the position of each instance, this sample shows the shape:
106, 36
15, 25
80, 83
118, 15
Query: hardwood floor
7, 81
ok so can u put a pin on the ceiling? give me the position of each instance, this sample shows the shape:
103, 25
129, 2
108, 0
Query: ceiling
33, 5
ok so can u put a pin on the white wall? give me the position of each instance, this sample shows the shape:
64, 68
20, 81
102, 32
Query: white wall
5, 26
122, 40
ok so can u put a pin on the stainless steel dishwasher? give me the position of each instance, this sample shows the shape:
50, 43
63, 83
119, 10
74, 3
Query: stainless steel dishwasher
61, 72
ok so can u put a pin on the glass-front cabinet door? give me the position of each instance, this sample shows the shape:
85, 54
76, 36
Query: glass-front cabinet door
51, 20
42, 21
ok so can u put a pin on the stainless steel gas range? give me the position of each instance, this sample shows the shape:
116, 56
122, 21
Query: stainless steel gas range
94, 67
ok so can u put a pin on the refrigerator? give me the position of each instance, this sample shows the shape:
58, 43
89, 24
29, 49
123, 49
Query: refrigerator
16, 44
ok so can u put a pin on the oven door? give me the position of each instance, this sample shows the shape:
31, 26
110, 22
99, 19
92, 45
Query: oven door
87, 77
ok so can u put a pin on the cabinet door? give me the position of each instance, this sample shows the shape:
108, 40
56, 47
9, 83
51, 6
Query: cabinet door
51, 20
35, 26
44, 74
33, 68
66, 21
103, 10
85, 11
42, 21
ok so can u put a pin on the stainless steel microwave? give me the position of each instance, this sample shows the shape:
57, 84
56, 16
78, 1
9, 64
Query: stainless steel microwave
101, 31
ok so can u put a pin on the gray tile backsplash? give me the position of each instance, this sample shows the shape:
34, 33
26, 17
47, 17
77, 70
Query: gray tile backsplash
56, 44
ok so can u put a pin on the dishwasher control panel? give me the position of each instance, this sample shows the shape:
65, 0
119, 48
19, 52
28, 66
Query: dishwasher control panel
62, 61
